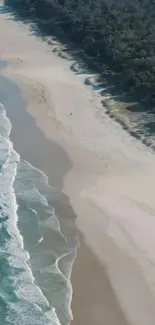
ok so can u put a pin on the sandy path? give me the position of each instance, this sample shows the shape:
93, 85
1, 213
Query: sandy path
111, 184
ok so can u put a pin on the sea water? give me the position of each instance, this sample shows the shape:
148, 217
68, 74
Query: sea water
37, 248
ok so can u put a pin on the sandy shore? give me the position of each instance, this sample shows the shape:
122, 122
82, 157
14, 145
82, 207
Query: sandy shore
96, 303
108, 176
93, 297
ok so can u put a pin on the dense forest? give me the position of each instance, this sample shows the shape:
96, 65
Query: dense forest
120, 33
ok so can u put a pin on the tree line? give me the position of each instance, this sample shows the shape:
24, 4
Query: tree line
118, 33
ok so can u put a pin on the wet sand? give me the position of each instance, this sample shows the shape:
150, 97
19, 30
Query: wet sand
93, 298
96, 303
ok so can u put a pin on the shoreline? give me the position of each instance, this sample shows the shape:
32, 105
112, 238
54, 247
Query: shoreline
84, 256
113, 215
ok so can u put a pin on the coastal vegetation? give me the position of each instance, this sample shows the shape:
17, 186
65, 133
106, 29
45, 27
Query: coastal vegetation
118, 34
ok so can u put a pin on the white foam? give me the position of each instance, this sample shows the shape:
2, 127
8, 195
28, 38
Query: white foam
29, 192
32, 305
31, 300
32, 194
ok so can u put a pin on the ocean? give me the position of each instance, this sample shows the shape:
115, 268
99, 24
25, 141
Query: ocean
37, 247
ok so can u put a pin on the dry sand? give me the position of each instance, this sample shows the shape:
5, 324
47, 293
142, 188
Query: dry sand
110, 183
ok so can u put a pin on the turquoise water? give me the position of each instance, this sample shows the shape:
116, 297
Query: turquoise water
3, 64
37, 247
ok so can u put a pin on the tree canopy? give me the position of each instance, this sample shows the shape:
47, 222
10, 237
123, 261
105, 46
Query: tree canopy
120, 33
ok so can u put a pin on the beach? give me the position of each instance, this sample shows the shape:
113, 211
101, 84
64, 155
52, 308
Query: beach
97, 296
104, 176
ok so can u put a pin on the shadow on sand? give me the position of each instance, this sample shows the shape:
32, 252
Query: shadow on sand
97, 75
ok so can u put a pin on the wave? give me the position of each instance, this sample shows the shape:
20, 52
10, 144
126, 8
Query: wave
35, 286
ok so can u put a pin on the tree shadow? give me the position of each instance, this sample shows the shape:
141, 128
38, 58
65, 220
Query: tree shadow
106, 82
